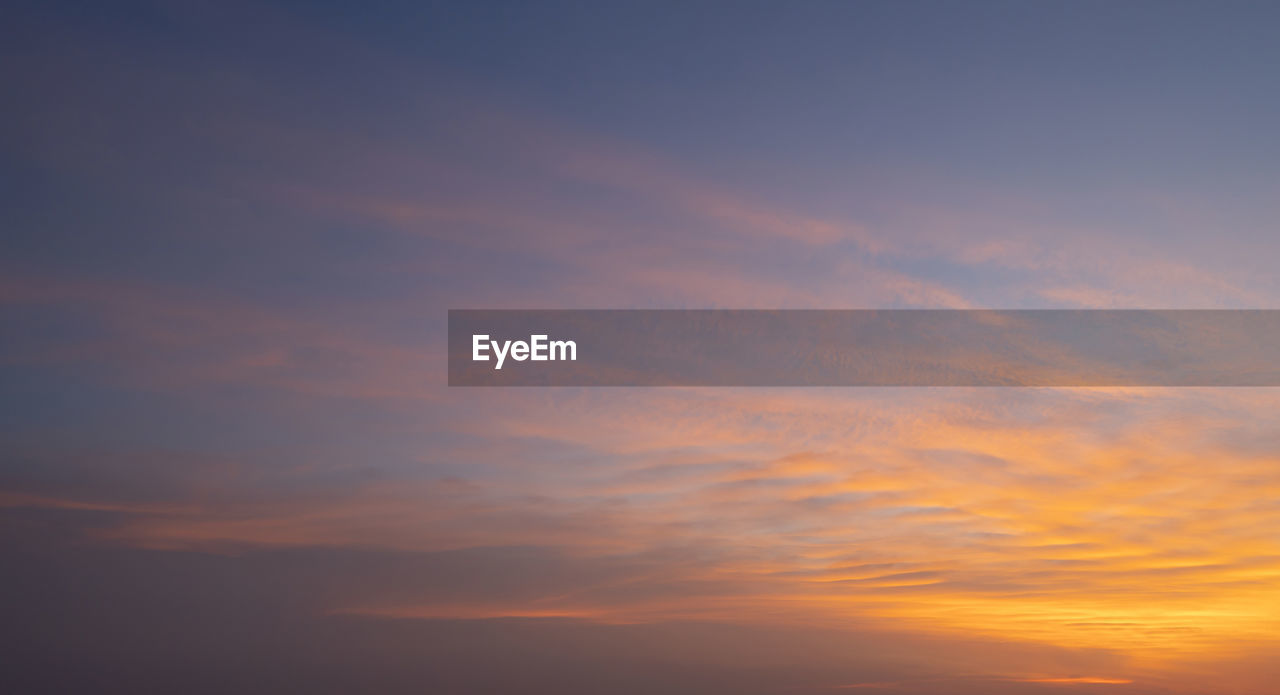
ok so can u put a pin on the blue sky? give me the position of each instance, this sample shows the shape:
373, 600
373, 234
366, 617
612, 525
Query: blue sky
231, 233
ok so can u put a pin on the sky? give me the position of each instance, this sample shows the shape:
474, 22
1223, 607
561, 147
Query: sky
230, 234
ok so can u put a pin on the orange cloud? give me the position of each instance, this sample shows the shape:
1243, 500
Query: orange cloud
1136, 522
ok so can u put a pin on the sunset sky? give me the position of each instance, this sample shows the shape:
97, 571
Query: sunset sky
230, 234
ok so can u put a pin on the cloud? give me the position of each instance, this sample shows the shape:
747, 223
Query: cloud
1081, 519
235, 464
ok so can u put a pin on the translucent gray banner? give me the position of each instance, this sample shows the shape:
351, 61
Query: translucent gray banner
864, 348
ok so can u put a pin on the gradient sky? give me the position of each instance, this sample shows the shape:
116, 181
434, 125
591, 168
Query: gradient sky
231, 232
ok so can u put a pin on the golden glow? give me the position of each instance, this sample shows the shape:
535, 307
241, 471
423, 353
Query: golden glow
1144, 532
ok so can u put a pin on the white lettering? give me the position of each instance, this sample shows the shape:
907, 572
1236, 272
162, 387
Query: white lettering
501, 351
538, 349
564, 346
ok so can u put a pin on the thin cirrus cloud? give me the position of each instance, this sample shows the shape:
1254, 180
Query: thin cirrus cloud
518, 190
993, 528
1127, 544
234, 414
